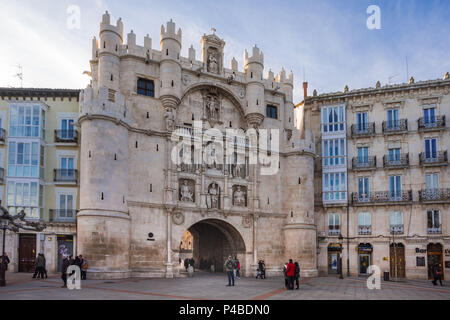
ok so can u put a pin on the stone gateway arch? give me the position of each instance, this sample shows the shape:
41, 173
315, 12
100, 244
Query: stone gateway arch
133, 183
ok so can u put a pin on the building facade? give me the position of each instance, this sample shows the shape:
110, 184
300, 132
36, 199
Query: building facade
144, 114
382, 182
39, 171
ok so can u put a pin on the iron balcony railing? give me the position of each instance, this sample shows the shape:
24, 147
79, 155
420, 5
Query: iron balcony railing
395, 126
364, 163
363, 130
364, 230
334, 230
397, 229
434, 230
2, 175
431, 195
440, 158
65, 175
62, 215
381, 197
66, 136
430, 124
402, 161
2, 135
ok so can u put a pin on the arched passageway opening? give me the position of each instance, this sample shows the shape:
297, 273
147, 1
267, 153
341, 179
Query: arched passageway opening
209, 242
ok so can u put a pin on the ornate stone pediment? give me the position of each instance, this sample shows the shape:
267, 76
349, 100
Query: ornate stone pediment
212, 53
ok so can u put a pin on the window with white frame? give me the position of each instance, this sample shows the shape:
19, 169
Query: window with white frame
334, 152
334, 186
66, 207
364, 223
392, 118
429, 115
67, 129
363, 189
396, 221
27, 121
333, 119
362, 123
430, 148
27, 196
334, 224
434, 221
363, 155
23, 159
431, 181
395, 187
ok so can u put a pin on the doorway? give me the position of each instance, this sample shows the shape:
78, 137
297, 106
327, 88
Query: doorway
334, 252
365, 258
65, 247
210, 242
27, 252
397, 260
434, 257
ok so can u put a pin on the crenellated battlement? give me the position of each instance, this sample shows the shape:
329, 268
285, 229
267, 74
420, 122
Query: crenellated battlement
105, 102
168, 32
106, 25
257, 57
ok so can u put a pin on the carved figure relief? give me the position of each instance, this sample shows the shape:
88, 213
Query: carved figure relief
187, 190
178, 218
212, 107
240, 196
247, 222
212, 62
213, 196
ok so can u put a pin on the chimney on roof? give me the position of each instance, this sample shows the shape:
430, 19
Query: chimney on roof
305, 90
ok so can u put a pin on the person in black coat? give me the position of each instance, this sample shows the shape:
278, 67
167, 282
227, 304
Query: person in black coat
65, 265
437, 274
297, 275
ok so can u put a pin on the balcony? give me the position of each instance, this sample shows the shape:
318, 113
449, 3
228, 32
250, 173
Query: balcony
363, 130
60, 215
434, 230
364, 230
2, 175
65, 176
380, 198
401, 162
334, 230
395, 127
431, 124
440, 159
2, 135
397, 229
66, 136
365, 163
434, 195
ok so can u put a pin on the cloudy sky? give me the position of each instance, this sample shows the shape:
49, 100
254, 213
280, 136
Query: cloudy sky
328, 41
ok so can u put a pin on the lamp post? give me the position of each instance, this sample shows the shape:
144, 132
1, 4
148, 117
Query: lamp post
14, 224
340, 257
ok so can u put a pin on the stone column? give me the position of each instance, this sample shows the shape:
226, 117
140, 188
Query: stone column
169, 266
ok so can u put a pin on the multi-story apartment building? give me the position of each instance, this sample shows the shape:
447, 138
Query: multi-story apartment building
382, 179
39, 171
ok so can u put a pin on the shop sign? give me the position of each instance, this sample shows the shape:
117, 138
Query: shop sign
418, 250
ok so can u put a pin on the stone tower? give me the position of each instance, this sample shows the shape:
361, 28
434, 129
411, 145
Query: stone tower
253, 68
103, 222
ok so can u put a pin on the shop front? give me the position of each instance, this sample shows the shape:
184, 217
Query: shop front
364, 257
434, 257
334, 252
397, 260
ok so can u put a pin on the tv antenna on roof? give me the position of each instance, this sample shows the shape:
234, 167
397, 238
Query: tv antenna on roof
19, 74
390, 78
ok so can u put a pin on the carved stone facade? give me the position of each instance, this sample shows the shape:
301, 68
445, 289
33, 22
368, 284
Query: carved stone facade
141, 106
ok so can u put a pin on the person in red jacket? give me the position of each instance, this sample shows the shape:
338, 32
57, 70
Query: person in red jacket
290, 272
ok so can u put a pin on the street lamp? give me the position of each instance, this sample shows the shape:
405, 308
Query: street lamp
14, 224
340, 257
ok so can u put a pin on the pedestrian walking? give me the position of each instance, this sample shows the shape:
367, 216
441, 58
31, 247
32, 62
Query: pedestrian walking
84, 267
229, 266
44, 268
65, 265
290, 272
235, 267
39, 266
186, 263
286, 279
4, 261
238, 271
297, 275
437, 274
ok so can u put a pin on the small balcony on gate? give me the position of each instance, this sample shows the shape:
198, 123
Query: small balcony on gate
434, 195
396, 229
431, 124
364, 230
438, 159
363, 130
60, 215
364, 163
66, 136
334, 230
396, 162
381, 198
395, 127
65, 176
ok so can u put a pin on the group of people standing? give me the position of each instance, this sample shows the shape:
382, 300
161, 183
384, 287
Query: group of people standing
39, 267
291, 273
78, 261
233, 269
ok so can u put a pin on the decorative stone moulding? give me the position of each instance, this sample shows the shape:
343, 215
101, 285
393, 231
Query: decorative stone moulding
170, 101
178, 218
254, 119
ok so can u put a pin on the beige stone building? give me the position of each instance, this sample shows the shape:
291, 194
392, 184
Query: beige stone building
382, 180
138, 194
39, 171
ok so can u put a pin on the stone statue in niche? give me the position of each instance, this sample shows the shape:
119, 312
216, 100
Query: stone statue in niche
212, 63
212, 200
240, 197
170, 119
212, 157
212, 107
186, 192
